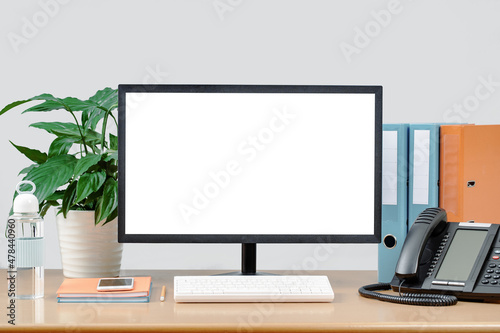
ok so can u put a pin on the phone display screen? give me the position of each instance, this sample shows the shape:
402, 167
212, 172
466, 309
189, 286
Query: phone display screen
114, 282
461, 255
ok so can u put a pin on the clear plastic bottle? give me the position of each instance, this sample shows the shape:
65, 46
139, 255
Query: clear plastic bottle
28, 230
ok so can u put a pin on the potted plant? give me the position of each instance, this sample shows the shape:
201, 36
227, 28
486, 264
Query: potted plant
78, 176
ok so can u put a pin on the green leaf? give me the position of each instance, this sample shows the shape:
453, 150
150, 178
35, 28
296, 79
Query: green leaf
58, 128
36, 98
97, 214
68, 130
33, 154
11, 106
44, 97
85, 163
27, 169
12, 205
46, 106
68, 198
107, 98
91, 117
45, 207
113, 142
111, 216
92, 137
57, 195
92, 198
108, 202
61, 145
111, 155
104, 100
49, 176
89, 183
76, 104
68, 103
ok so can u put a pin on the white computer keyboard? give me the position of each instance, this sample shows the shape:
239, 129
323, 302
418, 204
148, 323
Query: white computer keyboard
252, 288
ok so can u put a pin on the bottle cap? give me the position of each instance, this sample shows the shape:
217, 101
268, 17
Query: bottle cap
25, 202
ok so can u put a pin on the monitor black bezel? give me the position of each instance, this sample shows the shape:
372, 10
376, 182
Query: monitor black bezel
123, 89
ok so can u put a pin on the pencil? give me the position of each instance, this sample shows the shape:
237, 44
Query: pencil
163, 292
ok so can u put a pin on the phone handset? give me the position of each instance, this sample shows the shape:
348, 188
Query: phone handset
430, 222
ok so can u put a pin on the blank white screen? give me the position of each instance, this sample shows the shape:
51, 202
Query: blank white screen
233, 163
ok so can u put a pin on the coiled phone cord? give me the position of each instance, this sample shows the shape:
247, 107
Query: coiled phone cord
406, 298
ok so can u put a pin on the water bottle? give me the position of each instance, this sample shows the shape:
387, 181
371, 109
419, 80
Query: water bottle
25, 247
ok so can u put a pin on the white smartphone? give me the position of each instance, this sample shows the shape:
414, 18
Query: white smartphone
115, 284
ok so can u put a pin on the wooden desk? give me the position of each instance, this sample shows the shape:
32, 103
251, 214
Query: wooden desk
348, 312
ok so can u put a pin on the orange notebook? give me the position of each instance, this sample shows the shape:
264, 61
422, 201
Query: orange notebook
470, 172
88, 288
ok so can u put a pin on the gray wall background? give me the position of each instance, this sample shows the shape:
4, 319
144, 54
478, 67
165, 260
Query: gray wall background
437, 60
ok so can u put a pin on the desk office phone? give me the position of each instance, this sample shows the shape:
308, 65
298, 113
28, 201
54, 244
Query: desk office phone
446, 260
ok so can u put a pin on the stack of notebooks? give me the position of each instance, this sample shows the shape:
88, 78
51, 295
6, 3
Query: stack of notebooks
85, 291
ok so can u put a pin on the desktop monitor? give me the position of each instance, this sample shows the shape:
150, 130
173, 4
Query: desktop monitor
249, 164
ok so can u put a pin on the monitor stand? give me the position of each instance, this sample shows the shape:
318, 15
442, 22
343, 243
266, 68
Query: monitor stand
248, 261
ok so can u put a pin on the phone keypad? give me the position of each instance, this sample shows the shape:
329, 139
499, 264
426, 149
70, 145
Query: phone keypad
491, 274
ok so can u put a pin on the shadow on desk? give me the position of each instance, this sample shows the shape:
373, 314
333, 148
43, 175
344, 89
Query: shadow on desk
251, 316
204, 311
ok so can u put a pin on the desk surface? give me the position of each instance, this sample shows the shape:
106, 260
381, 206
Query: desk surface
348, 312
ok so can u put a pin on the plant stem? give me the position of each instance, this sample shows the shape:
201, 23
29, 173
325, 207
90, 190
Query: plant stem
79, 130
112, 116
104, 125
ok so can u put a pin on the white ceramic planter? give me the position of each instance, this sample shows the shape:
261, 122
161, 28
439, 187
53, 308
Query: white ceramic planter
88, 250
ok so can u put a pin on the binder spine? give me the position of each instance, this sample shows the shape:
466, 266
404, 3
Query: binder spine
451, 171
394, 198
423, 185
